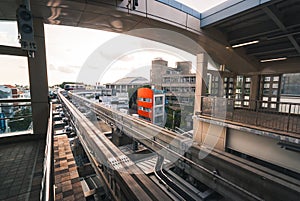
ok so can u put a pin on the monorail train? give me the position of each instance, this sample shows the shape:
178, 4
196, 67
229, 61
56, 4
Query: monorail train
69, 87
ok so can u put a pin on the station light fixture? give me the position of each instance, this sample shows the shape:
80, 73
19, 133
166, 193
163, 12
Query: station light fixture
135, 4
275, 59
245, 44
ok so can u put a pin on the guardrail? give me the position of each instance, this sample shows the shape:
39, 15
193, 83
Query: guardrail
46, 193
282, 116
15, 115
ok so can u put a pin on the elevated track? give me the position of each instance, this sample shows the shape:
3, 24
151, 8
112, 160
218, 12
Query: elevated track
213, 170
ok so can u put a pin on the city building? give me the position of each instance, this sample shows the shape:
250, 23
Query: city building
179, 86
8, 91
120, 101
14, 91
24, 94
249, 110
159, 67
151, 105
124, 84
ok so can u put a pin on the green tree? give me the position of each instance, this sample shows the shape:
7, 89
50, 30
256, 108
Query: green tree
22, 120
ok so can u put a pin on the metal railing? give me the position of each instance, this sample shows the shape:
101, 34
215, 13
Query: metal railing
281, 116
15, 115
46, 193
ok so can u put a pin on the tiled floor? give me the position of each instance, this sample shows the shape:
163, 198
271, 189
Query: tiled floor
21, 170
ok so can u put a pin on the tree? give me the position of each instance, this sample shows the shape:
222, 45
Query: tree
22, 120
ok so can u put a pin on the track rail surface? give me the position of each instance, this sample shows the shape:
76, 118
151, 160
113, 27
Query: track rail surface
173, 147
120, 173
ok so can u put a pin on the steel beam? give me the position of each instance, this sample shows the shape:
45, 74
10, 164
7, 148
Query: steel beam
13, 51
274, 15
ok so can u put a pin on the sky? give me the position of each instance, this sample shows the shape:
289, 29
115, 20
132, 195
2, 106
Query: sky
71, 49
201, 5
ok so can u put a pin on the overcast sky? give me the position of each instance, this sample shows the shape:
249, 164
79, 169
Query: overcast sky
69, 48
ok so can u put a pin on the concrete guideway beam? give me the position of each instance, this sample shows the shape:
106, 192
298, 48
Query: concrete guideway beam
266, 184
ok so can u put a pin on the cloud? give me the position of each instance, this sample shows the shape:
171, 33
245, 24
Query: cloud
68, 69
64, 69
127, 58
22, 66
7, 39
51, 67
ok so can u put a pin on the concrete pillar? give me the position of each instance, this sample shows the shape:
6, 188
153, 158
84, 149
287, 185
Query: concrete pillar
135, 145
39, 81
201, 78
254, 91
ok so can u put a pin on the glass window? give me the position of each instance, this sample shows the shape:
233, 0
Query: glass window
275, 85
9, 33
273, 99
276, 78
248, 79
158, 100
291, 84
266, 91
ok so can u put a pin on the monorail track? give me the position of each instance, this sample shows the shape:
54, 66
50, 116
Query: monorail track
116, 168
160, 140
169, 144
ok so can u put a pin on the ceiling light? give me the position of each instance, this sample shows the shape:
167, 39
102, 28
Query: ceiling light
244, 44
277, 59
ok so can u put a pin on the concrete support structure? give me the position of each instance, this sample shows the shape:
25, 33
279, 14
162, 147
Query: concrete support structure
202, 61
254, 90
201, 73
119, 139
39, 81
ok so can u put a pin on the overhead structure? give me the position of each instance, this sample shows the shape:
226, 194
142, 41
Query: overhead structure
270, 28
268, 34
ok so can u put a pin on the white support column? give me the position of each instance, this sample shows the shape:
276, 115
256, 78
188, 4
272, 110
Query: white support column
254, 91
39, 81
201, 75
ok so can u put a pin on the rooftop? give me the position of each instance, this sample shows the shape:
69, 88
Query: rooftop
131, 81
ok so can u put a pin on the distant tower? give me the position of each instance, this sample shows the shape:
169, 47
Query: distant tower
158, 69
184, 67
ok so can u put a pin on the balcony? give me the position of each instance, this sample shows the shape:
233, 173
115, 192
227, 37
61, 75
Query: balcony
25, 158
15, 117
277, 116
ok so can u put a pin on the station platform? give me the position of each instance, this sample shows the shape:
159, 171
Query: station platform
21, 165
